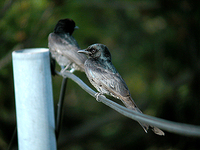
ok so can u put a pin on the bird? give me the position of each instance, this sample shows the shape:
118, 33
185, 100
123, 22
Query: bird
63, 46
104, 77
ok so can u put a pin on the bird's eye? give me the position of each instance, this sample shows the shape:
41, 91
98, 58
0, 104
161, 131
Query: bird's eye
93, 50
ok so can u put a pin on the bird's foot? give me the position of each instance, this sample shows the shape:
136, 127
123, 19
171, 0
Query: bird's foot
63, 69
97, 96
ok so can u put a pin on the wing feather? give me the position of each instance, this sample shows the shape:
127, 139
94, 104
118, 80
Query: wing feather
64, 50
108, 80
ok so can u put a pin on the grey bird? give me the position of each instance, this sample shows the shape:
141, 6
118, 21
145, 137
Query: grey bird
64, 47
105, 78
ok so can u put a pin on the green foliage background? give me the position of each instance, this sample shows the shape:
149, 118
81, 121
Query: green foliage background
155, 45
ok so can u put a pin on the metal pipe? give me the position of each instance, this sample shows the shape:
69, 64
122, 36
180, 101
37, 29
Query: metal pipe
34, 99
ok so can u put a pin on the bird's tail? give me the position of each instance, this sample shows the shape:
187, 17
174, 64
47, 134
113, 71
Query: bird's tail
130, 104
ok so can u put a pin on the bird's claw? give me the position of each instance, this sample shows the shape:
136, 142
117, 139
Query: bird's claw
63, 69
97, 96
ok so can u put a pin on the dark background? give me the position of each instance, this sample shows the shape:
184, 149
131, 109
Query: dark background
155, 46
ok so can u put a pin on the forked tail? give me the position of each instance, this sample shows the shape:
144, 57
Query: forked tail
130, 104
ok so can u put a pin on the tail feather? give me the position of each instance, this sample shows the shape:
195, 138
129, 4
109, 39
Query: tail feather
130, 104
157, 131
144, 126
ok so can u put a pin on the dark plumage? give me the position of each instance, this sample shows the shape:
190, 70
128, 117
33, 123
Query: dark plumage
63, 46
105, 78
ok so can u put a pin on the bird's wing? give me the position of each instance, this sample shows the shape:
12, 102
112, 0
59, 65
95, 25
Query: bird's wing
108, 80
64, 43
65, 48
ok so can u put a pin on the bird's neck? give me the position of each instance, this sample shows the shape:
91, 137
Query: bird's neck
107, 64
63, 34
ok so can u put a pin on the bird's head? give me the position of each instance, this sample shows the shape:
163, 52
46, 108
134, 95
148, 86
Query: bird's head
65, 26
97, 51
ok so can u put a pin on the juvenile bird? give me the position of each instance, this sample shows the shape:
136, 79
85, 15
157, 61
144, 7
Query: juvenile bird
105, 78
64, 47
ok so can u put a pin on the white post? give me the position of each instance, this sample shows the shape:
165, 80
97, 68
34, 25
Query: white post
34, 99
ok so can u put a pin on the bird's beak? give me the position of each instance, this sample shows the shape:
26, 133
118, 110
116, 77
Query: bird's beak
76, 27
84, 52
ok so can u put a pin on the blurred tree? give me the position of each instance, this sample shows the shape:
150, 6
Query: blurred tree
154, 45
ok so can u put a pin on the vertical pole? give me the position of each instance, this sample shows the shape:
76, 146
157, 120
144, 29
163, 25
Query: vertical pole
34, 99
